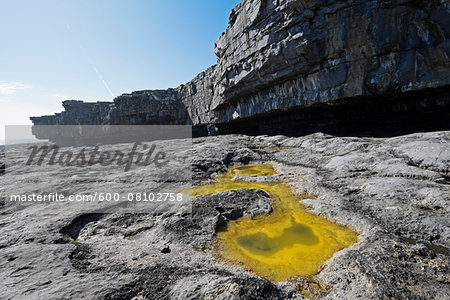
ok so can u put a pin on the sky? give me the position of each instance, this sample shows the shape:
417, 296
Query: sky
52, 50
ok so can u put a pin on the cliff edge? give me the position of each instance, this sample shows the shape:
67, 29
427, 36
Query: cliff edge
292, 61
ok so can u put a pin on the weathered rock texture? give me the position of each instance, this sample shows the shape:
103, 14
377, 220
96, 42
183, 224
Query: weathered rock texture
159, 107
149, 107
77, 112
197, 97
393, 191
282, 54
287, 55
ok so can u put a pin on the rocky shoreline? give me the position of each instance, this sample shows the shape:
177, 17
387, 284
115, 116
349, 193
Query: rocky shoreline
393, 191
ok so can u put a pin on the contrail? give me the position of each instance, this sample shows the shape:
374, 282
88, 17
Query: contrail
104, 82
90, 61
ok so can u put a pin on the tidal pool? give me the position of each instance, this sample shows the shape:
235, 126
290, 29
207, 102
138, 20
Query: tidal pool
287, 243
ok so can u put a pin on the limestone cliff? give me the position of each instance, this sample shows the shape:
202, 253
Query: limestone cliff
286, 55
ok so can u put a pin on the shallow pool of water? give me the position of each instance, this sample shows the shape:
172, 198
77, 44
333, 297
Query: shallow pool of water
287, 243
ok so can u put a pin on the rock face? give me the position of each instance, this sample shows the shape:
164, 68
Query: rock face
161, 107
77, 112
294, 56
393, 191
197, 97
288, 53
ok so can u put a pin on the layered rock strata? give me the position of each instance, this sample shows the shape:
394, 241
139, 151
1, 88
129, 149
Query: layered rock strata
283, 54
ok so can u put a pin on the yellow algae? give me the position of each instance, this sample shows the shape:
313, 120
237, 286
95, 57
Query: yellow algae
287, 243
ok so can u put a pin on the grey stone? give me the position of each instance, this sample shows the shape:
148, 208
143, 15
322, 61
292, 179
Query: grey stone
385, 188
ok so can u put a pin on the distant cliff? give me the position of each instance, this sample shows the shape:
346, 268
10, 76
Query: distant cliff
287, 61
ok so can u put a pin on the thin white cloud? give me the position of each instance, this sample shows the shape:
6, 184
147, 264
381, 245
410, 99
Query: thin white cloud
9, 88
69, 28
3, 100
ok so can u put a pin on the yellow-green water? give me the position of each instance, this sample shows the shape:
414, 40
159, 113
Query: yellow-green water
287, 243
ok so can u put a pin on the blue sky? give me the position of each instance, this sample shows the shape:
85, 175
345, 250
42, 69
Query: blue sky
92, 50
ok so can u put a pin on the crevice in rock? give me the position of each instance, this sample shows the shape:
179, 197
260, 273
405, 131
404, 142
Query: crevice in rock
74, 228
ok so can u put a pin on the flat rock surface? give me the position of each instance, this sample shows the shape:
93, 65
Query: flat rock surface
394, 191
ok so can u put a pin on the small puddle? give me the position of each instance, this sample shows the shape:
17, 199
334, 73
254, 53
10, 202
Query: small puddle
287, 243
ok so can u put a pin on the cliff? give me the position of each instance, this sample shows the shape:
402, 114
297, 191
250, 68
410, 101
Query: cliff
297, 53
287, 56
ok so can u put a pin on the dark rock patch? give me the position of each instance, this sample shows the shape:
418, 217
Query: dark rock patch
80, 257
213, 212
161, 282
73, 229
